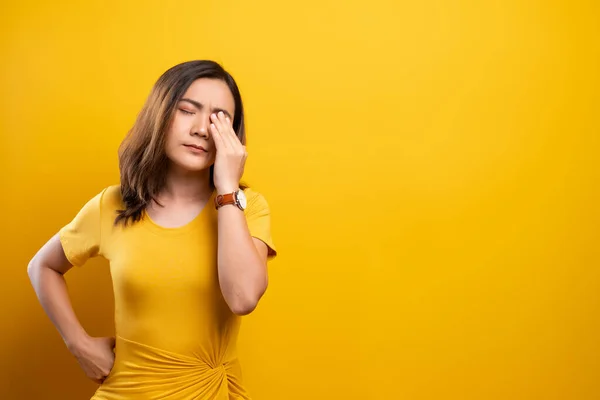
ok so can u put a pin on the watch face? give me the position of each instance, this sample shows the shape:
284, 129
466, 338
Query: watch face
241, 198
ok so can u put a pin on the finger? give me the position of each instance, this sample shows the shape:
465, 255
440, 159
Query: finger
217, 138
224, 130
228, 132
220, 126
219, 121
230, 127
227, 129
98, 377
214, 118
227, 123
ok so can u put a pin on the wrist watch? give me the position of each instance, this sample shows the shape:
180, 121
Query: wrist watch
237, 198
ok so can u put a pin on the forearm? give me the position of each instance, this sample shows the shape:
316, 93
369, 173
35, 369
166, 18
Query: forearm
51, 290
242, 273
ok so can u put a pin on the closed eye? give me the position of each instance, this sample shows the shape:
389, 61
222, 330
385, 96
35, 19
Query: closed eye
186, 111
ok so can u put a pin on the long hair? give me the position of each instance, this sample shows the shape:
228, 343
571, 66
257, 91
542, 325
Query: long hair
142, 159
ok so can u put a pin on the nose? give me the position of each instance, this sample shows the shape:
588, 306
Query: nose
201, 127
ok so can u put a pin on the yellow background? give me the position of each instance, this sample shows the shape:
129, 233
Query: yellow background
430, 165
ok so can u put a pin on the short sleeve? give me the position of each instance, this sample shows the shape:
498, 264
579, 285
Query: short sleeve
258, 217
80, 238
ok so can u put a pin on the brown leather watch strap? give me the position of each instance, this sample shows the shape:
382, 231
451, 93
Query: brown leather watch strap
224, 199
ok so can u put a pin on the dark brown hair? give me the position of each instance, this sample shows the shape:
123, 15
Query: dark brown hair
142, 159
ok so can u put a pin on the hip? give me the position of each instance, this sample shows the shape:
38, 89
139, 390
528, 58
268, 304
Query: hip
141, 371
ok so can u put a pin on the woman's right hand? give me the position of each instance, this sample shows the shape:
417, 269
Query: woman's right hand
96, 357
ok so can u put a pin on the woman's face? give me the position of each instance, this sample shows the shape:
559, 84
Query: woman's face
189, 144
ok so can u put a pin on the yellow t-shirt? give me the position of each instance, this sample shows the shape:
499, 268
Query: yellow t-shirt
176, 336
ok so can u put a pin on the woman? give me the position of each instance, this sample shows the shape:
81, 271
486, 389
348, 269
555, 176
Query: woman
187, 245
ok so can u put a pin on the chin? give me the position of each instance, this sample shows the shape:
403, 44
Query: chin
190, 165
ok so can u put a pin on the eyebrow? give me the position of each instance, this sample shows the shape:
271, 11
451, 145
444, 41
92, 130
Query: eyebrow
200, 106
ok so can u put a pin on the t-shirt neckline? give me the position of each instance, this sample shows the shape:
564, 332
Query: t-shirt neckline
149, 223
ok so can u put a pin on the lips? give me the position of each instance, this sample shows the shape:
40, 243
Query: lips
195, 147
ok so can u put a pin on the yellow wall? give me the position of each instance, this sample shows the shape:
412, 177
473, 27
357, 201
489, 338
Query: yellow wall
431, 168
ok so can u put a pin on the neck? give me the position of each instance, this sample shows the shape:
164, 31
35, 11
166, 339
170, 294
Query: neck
185, 186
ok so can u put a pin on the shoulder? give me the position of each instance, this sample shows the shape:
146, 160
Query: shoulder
107, 197
256, 203
253, 194
255, 199
111, 196
258, 216
110, 200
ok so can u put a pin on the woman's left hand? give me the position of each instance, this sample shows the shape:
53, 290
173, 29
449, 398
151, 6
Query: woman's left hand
231, 154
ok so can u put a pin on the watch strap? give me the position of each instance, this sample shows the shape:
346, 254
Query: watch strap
225, 199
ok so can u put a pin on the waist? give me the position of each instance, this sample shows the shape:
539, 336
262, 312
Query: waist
151, 372
203, 338
197, 356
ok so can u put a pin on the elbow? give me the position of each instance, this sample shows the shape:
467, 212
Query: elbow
244, 299
243, 308
32, 269
34, 272
244, 305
